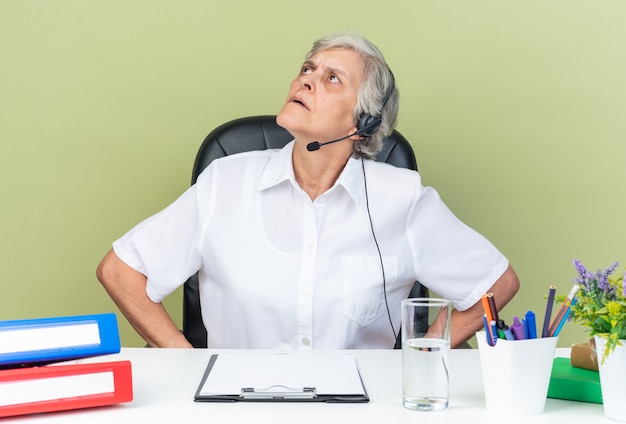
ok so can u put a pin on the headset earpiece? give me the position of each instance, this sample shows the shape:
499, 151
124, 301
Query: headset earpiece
367, 125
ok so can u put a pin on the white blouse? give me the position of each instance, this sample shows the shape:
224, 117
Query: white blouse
278, 271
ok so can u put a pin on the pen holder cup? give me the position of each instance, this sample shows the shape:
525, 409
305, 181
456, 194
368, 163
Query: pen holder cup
516, 374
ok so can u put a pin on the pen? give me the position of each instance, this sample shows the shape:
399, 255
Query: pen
494, 331
488, 332
531, 325
501, 334
562, 310
546, 320
500, 325
517, 329
508, 334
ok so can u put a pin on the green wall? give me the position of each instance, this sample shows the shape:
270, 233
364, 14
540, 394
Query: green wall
516, 111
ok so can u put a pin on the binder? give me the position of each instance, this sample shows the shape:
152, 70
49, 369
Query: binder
63, 387
280, 377
41, 341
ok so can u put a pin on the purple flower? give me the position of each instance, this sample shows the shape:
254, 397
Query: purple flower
603, 278
585, 278
599, 303
598, 283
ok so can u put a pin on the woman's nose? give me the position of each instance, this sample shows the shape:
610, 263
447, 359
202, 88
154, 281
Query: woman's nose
307, 82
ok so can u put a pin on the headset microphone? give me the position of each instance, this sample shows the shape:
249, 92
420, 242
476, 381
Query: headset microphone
315, 145
367, 129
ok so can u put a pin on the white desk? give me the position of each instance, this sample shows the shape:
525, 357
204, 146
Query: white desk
165, 381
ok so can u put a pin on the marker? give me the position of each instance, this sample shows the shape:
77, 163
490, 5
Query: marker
501, 334
488, 332
548, 316
494, 331
500, 325
517, 329
508, 333
531, 325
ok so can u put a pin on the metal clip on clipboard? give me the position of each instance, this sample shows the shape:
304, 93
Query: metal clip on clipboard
278, 392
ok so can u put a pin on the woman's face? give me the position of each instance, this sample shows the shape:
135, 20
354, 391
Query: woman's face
322, 97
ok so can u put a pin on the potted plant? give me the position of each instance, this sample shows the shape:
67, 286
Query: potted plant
600, 305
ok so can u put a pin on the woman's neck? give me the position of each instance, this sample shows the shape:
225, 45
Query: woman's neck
316, 172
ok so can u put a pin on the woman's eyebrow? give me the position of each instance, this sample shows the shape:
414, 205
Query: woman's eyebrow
329, 69
309, 64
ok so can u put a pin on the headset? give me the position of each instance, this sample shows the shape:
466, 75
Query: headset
367, 124
380, 256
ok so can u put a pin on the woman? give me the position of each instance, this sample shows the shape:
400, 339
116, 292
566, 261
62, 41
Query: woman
313, 245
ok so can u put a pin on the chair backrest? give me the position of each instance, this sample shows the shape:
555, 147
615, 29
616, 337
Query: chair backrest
260, 133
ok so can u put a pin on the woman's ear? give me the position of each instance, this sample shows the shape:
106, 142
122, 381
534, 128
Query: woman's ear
354, 135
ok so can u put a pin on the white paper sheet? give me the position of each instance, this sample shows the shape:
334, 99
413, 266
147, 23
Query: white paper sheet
335, 374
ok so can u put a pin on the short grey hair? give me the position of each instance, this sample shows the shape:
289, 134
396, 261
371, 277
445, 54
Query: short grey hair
378, 85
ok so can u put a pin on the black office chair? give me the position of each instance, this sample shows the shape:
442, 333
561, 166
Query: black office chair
260, 133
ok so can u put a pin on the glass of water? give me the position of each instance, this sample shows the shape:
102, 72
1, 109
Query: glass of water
425, 353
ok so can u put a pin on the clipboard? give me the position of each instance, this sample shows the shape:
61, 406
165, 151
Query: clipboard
282, 377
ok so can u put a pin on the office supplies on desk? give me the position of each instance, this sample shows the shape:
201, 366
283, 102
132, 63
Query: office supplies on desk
64, 387
281, 377
517, 328
516, 374
558, 328
500, 331
572, 383
493, 307
508, 334
490, 331
561, 315
46, 340
531, 325
548, 315
165, 380
489, 317
526, 327
487, 307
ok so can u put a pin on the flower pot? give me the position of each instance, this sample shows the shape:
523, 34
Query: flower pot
612, 380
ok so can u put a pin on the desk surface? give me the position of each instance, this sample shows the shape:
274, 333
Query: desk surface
165, 381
